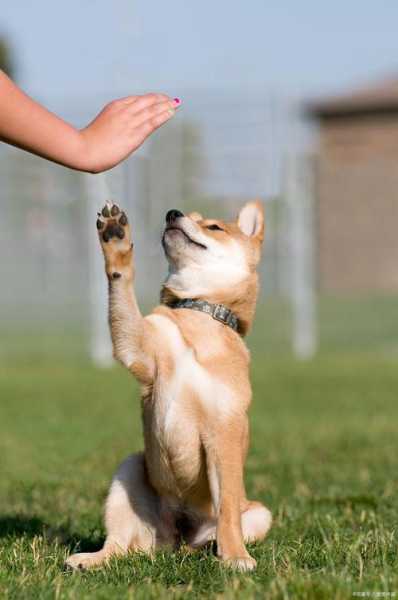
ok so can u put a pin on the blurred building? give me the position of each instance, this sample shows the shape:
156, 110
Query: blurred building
357, 189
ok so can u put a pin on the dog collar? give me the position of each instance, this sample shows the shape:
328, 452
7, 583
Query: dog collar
219, 312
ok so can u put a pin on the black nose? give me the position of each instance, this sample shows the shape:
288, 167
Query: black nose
172, 215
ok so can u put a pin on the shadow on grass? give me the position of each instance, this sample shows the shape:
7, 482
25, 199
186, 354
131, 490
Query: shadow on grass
19, 526
15, 526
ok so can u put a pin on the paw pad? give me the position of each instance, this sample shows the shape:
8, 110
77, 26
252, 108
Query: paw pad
123, 219
111, 222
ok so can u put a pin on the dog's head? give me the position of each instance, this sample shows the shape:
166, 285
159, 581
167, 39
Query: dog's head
212, 259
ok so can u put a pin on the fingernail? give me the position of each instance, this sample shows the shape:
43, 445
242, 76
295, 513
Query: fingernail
171, 112
177, 101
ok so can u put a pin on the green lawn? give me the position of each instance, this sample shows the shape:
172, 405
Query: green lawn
323, 458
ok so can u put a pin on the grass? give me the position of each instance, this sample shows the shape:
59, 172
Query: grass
323, 458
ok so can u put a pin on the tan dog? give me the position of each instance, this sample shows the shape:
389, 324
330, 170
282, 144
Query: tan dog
194, 369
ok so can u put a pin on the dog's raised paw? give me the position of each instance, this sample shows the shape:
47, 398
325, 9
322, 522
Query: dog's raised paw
112, 223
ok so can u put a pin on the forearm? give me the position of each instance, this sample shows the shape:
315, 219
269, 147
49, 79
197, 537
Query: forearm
28, 125
119, 129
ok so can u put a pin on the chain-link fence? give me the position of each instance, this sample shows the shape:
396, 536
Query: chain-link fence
212, 158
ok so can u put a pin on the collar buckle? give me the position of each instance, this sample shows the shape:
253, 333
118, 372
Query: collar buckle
221, 313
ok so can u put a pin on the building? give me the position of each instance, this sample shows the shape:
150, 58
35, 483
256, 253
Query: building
357, 190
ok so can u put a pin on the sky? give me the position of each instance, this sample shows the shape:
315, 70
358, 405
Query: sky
97, 49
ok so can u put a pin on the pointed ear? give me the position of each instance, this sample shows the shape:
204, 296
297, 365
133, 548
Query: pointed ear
251, 220
195, 216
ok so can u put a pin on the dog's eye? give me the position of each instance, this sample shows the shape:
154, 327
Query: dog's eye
214, 227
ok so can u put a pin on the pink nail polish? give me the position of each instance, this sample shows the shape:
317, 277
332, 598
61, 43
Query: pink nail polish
177, 100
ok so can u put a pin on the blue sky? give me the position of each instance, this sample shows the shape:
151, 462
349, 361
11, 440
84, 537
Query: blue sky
96, 48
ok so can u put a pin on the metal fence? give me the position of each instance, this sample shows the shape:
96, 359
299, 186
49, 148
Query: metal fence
211, 158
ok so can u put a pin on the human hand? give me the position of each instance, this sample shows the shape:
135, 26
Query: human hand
115, 133
121, 127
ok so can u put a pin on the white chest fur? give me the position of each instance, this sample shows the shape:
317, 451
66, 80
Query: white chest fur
182, 386
215, 396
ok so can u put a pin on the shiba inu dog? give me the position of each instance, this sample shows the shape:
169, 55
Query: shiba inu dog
193, 365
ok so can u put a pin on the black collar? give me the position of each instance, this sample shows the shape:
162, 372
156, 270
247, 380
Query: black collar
219, 312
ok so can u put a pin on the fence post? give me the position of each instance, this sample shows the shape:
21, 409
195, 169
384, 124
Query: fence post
100, 347
299, 191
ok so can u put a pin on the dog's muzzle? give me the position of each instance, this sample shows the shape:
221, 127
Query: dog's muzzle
173, 215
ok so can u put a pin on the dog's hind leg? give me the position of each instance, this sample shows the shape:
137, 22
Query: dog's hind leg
256, 521
134, 517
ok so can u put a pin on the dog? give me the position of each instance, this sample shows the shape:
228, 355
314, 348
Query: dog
193, 365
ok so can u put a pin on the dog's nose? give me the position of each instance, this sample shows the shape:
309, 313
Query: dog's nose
172, 215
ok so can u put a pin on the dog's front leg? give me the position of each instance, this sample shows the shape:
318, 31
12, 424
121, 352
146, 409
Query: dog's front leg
225, 473
131, 344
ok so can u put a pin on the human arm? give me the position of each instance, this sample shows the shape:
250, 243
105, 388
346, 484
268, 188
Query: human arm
119, 129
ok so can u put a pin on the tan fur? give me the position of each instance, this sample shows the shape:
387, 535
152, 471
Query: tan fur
194, 373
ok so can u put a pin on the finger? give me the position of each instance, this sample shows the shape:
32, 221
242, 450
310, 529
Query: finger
128, 99
143, 102
153, 123
151, 111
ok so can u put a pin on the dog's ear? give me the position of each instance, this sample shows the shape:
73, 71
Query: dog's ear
251, 220
195, 216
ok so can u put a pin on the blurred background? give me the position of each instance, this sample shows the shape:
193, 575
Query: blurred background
294, 103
